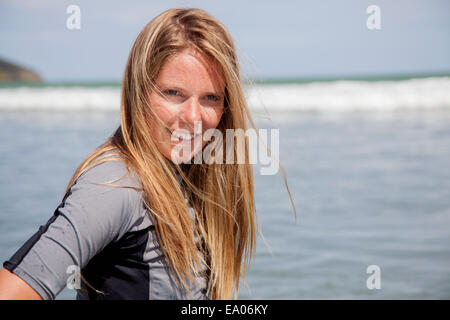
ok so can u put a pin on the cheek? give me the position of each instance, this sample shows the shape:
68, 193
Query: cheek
212, 118
163, 116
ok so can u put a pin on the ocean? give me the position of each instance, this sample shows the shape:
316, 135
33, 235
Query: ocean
367, 163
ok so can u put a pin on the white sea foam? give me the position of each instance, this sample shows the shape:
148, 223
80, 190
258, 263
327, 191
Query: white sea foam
332, 96
343, 96
60, 98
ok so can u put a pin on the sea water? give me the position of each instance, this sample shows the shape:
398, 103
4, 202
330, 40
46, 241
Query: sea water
367, 164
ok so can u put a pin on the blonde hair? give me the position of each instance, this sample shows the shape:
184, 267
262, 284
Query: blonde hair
222, 195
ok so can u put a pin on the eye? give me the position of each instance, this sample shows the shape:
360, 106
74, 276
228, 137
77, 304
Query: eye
174, 95
212, 97
171, 92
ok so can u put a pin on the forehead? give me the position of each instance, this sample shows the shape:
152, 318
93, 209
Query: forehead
193, 70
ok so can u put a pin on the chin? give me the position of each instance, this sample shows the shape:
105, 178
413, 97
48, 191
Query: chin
179, 159
185, 153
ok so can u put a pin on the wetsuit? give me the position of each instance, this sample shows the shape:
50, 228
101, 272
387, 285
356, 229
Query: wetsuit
109, 235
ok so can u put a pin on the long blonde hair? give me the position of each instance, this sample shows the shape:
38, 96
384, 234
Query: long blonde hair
222, 195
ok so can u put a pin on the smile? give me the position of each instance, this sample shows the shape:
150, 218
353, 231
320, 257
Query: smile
183, 137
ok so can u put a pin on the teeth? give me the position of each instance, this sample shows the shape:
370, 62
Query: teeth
183, 136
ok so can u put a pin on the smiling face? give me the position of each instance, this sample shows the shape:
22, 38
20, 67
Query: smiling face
191, 96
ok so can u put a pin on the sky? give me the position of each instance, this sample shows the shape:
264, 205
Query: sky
275, 39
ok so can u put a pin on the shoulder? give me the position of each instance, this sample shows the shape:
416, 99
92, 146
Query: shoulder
108, 198
111, 181
114, 171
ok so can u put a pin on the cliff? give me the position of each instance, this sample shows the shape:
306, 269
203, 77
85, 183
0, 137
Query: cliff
10, 72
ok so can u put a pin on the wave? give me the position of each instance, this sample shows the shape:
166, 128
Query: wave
332, 96
60, 98
343, 96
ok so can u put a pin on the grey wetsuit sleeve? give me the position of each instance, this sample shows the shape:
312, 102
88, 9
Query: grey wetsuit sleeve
90, 217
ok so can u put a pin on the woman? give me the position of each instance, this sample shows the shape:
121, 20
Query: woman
137, 219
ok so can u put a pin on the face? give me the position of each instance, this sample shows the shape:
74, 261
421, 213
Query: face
190, 101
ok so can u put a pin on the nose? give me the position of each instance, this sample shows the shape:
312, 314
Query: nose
192, 112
